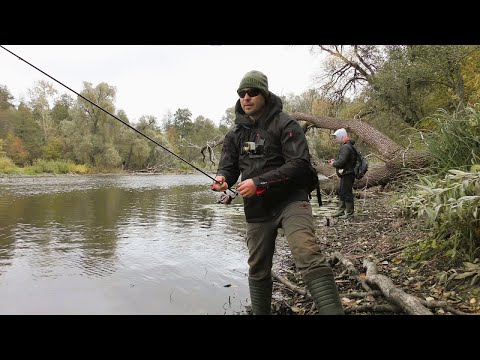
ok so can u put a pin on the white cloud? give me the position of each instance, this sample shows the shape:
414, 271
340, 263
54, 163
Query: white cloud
152, 79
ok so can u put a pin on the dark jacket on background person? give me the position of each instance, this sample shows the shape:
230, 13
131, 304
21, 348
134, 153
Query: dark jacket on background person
345, 162
277, 168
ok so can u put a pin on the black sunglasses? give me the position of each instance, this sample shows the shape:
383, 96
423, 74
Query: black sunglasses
251, 92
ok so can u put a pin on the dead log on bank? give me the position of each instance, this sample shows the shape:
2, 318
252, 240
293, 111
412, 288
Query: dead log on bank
291, 286
352, 270
393, 308
410, 304
380, 308
395, 157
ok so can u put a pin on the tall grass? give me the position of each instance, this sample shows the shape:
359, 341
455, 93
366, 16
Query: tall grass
55, 167
454, 142
6, 165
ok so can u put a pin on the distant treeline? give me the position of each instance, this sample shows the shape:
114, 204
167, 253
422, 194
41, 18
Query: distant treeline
394, 88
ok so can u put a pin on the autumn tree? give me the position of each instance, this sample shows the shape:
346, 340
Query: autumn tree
15, 150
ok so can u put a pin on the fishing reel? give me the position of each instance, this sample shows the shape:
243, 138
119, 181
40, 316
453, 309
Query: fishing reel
226, 198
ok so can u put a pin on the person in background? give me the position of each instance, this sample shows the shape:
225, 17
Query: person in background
344, 166
268, 149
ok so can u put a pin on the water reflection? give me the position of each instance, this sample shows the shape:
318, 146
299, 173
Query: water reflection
119, 244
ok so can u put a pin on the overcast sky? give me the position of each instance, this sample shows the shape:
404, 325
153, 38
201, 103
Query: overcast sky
153, 79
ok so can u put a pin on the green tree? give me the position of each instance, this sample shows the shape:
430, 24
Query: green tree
29, 131
203, 130
182, 121
6, 98
135, 149
6, 122
7, 112
91, 132
42, 96
61, 108
228, 119
416, 80
403, 82
104, 96
53, 150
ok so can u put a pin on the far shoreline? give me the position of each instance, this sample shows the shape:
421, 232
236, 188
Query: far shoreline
5, 175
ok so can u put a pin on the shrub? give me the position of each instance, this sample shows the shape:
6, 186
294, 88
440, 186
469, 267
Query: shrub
450, 206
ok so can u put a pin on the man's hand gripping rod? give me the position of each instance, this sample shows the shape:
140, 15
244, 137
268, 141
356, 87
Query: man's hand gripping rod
225, 198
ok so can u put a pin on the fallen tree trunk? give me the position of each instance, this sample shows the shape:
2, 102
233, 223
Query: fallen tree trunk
395, 157
385, 147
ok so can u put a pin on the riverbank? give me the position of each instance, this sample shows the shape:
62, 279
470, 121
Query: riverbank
378, 233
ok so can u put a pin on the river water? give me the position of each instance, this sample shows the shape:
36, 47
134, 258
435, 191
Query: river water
120, 244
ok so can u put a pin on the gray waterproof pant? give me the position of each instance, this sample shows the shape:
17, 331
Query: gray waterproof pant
296, 220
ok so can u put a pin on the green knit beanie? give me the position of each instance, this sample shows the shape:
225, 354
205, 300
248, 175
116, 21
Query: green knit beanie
255, 79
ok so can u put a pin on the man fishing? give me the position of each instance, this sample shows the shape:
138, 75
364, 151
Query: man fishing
268, 149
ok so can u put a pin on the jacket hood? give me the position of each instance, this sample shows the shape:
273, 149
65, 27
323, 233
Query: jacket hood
273, 105
340, 134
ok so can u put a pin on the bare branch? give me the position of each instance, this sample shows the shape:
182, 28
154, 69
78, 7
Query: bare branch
411, 304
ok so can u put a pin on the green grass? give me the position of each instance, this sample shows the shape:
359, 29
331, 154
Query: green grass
47, 167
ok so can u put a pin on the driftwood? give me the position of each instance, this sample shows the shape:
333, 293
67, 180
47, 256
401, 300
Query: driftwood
362, 294
351, 269
410, 304
431, 304
210, 147
291, 286
382, 308
434, 304
299, 290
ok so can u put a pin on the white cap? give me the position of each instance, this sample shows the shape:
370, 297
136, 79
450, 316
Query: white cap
340, 134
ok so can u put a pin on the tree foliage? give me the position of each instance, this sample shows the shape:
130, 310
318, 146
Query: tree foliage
396, 89
454, 139
42, 96
450, 205
403, 82
15, 149
6, 98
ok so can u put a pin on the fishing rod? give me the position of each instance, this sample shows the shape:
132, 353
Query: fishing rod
225, 200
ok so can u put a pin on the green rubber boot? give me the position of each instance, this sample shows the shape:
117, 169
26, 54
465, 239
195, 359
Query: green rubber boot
348, 211
340, 210
261, 296
321, 285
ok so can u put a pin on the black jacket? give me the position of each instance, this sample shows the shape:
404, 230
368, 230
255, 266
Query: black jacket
279, 163
345, 162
